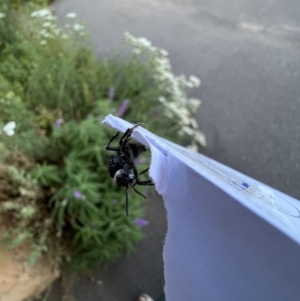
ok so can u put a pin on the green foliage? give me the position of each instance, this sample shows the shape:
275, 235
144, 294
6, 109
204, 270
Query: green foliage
29, 141
46, 174
29, 224
20, 178
57, 92
20, 3
101, 229
57, 111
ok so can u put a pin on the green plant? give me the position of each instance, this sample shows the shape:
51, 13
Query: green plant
54, 94
22, 203
20, 3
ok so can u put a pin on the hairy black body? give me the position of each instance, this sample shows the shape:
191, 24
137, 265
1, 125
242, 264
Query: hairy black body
121, 166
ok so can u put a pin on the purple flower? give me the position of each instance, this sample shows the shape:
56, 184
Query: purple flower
123, 107
77, 194
140, 222
111, 93
114, 201
59, 122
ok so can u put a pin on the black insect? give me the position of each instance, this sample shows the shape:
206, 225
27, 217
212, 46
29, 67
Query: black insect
121, 166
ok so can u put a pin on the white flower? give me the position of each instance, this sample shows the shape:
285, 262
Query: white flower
56, 31
182, 79
128, 37
189, 84
166, 75
144, 42
200, 138
41, 13
9, 128
34, 14
187, 130
152, 48
45, 34
50, 17
43, 42
2, 15
47, 24
161, 99
194, 123
193, 104
163, 63
78, 27
71, 15
193, 147
137, 51
180, 111
195, 134
164, 52
195, 80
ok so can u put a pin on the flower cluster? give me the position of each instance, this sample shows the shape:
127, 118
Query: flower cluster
50, 27
76, 27
176, 102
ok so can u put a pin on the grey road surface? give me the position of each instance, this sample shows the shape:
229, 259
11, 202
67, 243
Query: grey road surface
246, 54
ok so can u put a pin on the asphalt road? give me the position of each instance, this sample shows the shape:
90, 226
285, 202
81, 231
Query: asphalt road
247, 57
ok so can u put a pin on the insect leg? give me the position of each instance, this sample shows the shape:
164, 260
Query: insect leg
108, 147
145, 183
126, 137
139, 193
126, 204
144, 171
